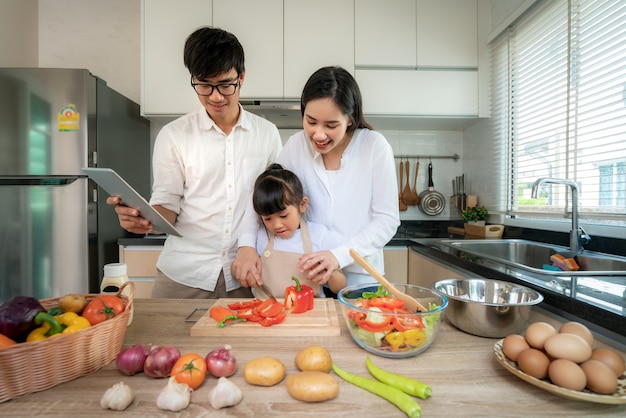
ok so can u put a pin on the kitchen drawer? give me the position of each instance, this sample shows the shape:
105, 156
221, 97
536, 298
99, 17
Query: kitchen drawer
396, 264
424, 271
140, 260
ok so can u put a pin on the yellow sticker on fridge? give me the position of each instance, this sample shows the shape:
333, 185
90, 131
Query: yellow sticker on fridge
68, 119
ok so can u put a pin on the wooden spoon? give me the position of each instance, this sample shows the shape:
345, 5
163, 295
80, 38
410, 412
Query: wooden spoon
406, 193
416, 197
410, 303
401, 205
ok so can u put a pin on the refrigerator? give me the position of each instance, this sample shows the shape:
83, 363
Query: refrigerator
56, 231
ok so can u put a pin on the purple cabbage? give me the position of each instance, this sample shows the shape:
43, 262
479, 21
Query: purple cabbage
17, 317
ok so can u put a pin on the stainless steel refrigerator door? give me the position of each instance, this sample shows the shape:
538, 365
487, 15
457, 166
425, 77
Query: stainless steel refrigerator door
44, 117
43, 250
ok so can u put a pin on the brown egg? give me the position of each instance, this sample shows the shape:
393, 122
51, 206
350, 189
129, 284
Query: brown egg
538, 332
610, 358
568, 346
567, 374
600, 377
578, 329
533, 362
512, 345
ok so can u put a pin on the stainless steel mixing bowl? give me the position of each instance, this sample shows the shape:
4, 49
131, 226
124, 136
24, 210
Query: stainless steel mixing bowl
487, 307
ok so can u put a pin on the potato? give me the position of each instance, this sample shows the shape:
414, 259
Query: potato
264, 371
72, 303
312, 386
314, 358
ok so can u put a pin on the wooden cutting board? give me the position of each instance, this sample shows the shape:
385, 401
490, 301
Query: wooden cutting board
321, 320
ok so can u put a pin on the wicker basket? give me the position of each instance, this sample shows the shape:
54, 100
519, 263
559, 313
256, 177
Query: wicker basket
32, 367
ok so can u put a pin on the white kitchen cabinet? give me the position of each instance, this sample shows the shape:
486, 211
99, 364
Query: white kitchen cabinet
259, 27
396, 264
416, 33
385, 33
141, 262
424, 271
447, 33
419, 93
165, 82
316, 34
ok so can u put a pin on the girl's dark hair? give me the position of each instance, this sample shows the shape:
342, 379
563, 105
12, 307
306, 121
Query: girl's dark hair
276, 189
337, 84
210, 52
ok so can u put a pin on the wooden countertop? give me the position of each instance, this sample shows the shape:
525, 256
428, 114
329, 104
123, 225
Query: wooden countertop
462, 370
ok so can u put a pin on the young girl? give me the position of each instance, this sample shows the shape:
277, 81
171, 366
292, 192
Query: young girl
279, 200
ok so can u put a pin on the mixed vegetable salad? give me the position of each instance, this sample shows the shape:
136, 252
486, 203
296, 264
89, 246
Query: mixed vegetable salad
385, 327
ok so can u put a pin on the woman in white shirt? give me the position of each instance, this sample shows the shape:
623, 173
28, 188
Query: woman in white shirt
348, 173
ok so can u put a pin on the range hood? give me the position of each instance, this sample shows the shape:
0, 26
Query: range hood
284, 114
287, 115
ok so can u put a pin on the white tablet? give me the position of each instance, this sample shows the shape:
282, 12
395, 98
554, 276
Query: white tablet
115, 185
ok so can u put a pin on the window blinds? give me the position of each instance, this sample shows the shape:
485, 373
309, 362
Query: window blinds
559, 109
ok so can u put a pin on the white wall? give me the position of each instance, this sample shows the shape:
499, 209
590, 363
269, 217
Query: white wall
19, 29
101, 36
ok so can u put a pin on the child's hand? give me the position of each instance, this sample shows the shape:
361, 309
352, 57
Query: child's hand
319, 266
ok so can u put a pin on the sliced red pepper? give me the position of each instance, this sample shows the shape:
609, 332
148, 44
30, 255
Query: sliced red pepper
269, 308
406, 323
249, 314
267, 322
386, 302
373, 326
245, 304
299, 298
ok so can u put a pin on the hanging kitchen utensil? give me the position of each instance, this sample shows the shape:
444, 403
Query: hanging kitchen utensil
463, 195
410, 303
415, 198
401, 204
406, 193
431, 201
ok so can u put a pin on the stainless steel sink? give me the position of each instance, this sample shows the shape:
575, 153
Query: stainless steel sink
534, 256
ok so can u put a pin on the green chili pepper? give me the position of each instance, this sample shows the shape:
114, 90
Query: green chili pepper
393, 395
405, 384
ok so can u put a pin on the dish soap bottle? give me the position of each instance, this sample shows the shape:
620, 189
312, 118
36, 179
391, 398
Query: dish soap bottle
115, 275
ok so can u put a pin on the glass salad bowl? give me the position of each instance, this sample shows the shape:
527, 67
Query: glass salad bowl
379, 324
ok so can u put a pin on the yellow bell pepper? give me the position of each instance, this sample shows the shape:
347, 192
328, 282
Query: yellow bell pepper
73, 322
414, 337
395, 340
53, 326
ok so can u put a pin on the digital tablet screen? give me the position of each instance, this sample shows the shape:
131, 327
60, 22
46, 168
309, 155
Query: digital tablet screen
115, 185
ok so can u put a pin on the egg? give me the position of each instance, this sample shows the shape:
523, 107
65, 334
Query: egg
538, 332
611, 359
578, 329
569, 347
533, 362
567, 374
600, 377
512, 345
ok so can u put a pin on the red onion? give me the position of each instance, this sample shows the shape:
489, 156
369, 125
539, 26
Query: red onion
131, 360
221, 362
160, 361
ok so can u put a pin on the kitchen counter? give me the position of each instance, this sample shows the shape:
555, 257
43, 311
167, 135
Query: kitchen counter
462, 370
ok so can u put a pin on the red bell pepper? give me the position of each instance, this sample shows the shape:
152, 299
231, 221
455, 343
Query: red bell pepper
269, 321
299, 298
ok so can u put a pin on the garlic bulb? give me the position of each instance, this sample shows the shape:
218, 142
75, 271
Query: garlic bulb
174, 396
224, 394
118, 397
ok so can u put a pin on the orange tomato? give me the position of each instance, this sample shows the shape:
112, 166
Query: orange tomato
6, 341
190, 369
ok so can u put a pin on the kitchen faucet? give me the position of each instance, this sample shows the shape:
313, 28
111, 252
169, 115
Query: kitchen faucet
577, 236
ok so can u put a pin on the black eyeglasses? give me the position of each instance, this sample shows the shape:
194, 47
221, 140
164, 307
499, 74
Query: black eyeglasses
205, 89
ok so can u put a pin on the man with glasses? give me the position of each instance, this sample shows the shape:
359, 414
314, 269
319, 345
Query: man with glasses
204, 167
